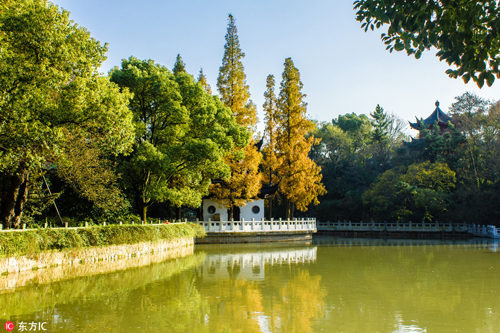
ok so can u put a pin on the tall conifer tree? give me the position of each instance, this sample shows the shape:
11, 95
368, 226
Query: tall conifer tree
203, 80
179, 66
379, 138
245, 182
231, 82
270, 164
301, 178
381, 124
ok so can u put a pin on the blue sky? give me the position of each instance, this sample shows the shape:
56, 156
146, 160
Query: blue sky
343, 69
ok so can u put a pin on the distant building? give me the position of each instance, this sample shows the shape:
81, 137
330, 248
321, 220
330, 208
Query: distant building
439, 116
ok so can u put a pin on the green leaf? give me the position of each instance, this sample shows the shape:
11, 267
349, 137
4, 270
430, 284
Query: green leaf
480, 80
490, 78
399, 46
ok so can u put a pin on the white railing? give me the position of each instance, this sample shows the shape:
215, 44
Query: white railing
484, 230
259, 226
391, 226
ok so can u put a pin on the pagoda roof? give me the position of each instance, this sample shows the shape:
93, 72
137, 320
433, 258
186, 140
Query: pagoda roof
268, 190
438, 115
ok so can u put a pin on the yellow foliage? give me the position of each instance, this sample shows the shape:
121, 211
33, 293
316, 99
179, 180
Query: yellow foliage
245, 182
300, 176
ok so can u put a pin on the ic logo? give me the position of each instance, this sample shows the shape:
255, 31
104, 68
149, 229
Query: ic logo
9, 326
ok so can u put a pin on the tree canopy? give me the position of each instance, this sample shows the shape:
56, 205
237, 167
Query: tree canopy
182, 135
49, 88
179, 66
300, 176
466, 33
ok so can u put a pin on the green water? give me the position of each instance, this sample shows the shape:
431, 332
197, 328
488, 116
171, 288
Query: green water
329, 285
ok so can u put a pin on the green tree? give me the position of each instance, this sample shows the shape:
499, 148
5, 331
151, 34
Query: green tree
342, 157
421, 192
50, 87
182, 136
357, 127
300, 176
470, 113
179, 66
466, 33
380, 133
379, 139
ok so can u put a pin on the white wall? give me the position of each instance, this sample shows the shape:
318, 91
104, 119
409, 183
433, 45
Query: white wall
246, 211
248, 214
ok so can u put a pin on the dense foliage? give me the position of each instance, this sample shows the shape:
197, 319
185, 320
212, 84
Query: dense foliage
182, 135
466, 33
147, 138
51, 94
370, 173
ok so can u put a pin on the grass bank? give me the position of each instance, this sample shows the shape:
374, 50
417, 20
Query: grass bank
31, 242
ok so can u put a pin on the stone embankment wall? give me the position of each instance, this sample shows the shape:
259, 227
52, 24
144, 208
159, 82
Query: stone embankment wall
81, 256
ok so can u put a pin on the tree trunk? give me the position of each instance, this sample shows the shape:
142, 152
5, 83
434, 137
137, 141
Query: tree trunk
144, 213
15, 198
289, 209
270, 198
22, 197
230, 214
178, 212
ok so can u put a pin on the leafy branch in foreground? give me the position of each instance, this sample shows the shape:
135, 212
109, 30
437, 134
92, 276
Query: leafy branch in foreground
466, 33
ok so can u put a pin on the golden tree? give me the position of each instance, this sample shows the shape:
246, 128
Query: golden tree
232, 85
300, 176
271, 162
245, 182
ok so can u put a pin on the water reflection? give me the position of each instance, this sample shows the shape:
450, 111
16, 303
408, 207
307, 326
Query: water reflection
251, 265
480, 243
332, 285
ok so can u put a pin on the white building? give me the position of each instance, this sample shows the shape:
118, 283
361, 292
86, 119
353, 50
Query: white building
217, 212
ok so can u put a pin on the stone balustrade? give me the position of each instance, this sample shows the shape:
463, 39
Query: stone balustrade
259, 226
392, 226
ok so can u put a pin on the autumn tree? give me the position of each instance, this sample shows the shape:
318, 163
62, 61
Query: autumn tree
231, 81
245, 182
50, 88
270, 164
300, 176
182, 136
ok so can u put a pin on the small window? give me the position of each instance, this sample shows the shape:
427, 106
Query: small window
211, 209
255, 209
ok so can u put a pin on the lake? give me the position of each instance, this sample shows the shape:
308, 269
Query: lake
327, 285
